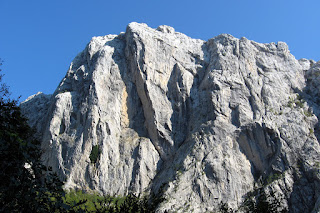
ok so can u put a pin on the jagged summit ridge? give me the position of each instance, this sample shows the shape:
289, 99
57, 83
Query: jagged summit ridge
200, 121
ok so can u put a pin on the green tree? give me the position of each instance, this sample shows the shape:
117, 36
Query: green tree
258, 201
95, 154
26, 185
4, 91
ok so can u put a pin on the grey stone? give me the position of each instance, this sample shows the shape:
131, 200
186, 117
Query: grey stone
198, 122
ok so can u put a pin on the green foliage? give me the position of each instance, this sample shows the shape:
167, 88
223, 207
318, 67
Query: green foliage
26, 185
87, 200
311, 131
4, 90
258, 201
224, 208
95, 154
93, 202
299, 101
290, 103
273, 177
307, 113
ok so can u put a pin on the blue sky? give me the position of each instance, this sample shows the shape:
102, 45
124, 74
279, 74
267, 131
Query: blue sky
40, 38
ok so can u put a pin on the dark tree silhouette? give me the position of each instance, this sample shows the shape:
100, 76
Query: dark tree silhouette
25, 184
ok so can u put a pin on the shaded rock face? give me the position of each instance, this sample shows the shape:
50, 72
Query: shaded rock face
199, 122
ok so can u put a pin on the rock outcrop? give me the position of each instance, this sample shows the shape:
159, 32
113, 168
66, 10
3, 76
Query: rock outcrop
199, 122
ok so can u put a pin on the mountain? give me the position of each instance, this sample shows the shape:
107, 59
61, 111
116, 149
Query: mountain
200, 122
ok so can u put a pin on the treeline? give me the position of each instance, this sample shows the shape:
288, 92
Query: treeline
93, 202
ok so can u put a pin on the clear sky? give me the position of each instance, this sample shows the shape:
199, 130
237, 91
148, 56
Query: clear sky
40, 38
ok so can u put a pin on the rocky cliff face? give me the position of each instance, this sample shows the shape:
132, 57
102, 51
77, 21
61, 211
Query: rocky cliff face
201, 122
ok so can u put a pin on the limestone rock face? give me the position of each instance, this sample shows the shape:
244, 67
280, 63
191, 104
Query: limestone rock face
199, 122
